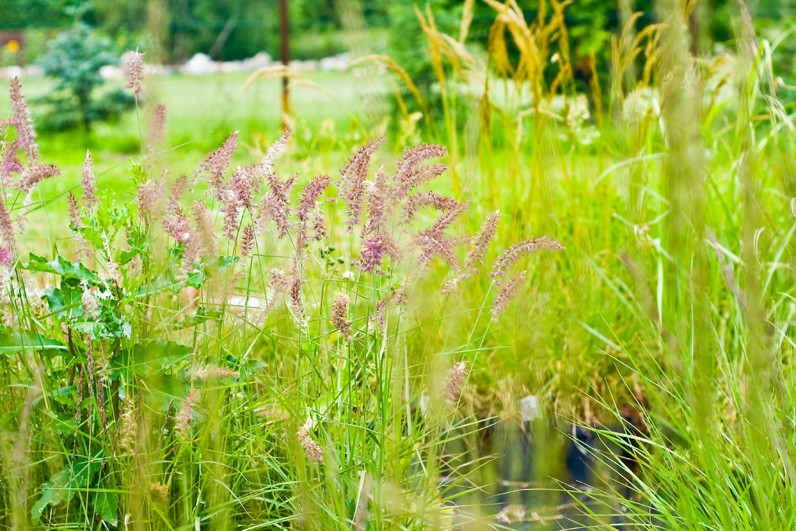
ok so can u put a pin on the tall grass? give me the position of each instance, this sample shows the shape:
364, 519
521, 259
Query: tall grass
223, 351
676, 293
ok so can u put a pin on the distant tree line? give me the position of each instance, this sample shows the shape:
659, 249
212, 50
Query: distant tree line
235, 29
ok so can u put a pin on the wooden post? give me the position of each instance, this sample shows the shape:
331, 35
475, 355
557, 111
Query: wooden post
284, 26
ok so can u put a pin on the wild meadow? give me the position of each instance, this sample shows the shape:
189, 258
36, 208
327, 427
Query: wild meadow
422, 320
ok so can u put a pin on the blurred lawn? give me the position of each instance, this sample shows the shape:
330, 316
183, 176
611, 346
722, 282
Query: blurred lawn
328, 110
202, 112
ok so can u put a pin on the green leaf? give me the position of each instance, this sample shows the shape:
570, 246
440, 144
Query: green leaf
225, 262
150, 357
12, 342
60, 266
53, 493
106, 503
63, 485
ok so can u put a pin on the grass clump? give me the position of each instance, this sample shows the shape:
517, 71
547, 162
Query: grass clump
223, 350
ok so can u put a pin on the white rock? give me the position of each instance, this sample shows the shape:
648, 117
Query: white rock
34, 71
339, 62
111, 72
260, 60
304, 66
200, 63
11, 71
529, 408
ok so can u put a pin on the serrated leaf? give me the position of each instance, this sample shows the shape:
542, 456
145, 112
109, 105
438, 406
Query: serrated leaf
54, 492
63, 485
60, 266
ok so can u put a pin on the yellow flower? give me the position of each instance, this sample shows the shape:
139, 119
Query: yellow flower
13, 46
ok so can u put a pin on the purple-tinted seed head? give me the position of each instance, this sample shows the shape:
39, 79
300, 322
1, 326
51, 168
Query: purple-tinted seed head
476, 255
150, 199
518, 249
245, 183
309, 196
410, 173
157, 127
215, 165
231, 208
374, 249
10, 164
247, 241
296, 304
351, 186
35, 174
74, 211
425, 199
89, 185
453, 383
6, 225
431, 244
134, 71
378, 204
21, 121
506, 292
275, 205
6, 258
340, 315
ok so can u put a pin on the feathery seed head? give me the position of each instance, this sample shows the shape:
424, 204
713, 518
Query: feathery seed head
528, 246
26, 135
410, 173
157, 127
215, 165
35, 174
476, 255
6, 258
340, 315
374, 249
309, 196
204, 228
183, 419
74, 212
313, 449
296, 304
275, 204
506, 292
89, 184
247, 241
351, 186
275, 150
425, 199
134, 71
150, 198
89, 301
378, 204
6, 225
453, 383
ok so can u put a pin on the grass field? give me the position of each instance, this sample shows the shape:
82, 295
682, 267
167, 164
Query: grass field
243, 350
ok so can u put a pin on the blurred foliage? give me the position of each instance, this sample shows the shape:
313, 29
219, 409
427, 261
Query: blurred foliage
241, 28
226, 30
73, 60
33, 13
